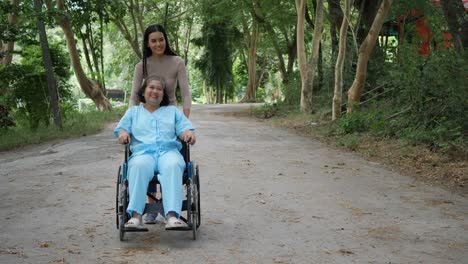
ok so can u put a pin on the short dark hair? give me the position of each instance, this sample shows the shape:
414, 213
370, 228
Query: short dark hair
141, 91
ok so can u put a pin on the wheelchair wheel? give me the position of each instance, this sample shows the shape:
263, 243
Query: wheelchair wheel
117, 198
123, 216
197, 184
195, 203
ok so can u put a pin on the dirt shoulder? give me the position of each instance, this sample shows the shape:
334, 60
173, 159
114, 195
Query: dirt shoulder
431, 167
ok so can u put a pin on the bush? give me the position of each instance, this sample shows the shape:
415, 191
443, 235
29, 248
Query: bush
433, 88
353, 122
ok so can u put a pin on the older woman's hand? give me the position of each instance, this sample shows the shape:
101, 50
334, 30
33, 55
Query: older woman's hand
188, 136
124, 137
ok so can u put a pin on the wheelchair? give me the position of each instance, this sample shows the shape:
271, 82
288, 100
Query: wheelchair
190, 203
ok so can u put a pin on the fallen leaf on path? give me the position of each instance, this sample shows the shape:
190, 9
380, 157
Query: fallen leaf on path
74, 251
44, 244
58, 261
346, 252
12, 251
214, 222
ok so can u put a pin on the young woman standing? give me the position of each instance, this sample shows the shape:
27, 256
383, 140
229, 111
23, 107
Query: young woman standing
160, 60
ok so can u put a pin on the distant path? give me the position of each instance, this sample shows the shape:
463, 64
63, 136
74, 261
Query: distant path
268, 196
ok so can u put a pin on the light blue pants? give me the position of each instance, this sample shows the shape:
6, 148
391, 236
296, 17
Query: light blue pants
170, 166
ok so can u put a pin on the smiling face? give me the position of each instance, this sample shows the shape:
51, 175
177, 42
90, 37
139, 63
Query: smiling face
157, 43
154, 93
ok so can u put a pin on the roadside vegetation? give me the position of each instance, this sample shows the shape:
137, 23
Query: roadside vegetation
75, 125
418, 127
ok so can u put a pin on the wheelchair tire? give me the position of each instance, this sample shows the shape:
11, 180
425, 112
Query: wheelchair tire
123, 214
195, 216
192, 207
197, 184
117, 198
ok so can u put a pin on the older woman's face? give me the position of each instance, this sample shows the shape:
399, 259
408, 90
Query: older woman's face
154, 93
157, 43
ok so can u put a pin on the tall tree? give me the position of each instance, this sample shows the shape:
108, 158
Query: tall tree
335, 16
51, 82
301, 6
251, 35
308, 83
133, 30
275, 19
337, 95
12, 21
355, 92
217, 39
87, 19
367, 11
457, 22
89, 87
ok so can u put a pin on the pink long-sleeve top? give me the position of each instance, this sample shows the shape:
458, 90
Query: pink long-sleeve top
172, 69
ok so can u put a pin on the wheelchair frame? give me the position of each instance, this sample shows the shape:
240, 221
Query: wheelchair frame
190, 204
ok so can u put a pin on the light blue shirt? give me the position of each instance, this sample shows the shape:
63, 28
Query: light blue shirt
156, 132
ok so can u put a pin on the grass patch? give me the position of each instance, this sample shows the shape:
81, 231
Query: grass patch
75, 125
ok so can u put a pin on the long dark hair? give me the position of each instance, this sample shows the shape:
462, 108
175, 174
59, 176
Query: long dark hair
147, 51
141, 91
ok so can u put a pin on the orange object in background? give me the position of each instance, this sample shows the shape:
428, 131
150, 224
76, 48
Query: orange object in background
447, 42
425, 36
422, 33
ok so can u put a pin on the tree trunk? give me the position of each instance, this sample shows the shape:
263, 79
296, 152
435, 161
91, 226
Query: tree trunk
301, 54
12, 21
306, 93
89, 87
87, 57
257, 14
337, 97
219, 95
188, 33
367, 12
136, 13
457, 23
355, 92
51, 82
252, 39
208, 93
318, 87
336, 18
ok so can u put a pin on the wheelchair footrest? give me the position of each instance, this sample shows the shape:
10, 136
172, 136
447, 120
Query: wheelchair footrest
188, 227
136, 229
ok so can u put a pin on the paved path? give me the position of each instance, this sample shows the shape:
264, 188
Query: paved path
268, 196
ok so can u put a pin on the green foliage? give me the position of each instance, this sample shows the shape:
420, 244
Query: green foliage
350, 141
265, 111
5, 119
26, 85
75, 125
218, 39
240, 77
216, 62
433, 88
353, 122
292, 91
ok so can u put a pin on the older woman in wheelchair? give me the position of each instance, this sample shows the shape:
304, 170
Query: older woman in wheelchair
154, 130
